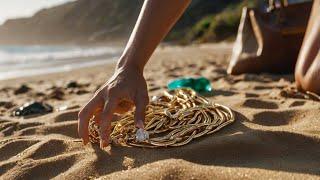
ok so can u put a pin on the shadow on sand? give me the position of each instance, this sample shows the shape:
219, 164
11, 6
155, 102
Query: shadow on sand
234, 146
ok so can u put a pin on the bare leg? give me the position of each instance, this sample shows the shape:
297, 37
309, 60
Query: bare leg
307, 71
264, 46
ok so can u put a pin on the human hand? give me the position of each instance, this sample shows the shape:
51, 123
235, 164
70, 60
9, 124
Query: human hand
125, 89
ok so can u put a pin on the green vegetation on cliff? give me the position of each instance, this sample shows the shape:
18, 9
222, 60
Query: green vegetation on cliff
214, 26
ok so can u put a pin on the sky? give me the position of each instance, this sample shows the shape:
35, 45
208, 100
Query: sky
24, 8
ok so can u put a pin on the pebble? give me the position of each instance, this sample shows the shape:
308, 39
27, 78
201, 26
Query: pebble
22, 89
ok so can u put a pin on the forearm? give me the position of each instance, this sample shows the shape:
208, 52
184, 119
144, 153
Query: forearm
155, 20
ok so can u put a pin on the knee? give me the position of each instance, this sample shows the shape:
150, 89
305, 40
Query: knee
311, 85
298, 75
307, 83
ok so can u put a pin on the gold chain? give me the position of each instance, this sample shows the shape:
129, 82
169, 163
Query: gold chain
173, 119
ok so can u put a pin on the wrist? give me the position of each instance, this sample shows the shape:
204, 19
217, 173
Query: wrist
128, 64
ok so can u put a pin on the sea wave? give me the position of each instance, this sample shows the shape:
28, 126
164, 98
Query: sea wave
17, 61
25, 54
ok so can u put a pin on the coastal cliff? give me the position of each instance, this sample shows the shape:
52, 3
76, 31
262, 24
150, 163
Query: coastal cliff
105, 20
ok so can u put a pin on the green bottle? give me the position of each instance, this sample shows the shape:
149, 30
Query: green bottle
201, 85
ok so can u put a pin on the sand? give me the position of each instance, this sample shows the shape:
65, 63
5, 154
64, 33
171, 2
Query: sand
275, 136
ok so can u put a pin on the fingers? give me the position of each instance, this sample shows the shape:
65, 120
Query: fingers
141, 102
97, 118
103, 106
84, 116
105, 124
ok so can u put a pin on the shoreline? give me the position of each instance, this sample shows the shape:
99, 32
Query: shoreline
112, 61
41, 60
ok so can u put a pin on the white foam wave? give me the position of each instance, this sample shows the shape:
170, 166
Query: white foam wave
17, 55
18, 61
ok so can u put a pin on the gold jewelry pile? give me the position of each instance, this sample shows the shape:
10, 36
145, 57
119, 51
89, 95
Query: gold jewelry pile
173, 119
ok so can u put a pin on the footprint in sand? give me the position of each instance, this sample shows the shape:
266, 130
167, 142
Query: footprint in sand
42, 169
155, 88
297, 103
273, 118
251, 95
219, 92
68, 128
29, 124
262, 87
14, 147
48, 149
8, 128
6, 166
67, 116
171, 75
64, 128
260, 104
286, 117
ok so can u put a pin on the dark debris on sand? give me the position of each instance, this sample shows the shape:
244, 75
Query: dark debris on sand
32, 108
22, 89
7, 104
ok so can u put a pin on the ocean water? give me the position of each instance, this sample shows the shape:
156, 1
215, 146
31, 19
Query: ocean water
20, 61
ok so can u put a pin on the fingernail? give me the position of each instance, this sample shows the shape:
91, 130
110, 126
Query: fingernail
103, 144
140, 124
84, 142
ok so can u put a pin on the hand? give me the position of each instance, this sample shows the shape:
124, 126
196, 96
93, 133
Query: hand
127, 87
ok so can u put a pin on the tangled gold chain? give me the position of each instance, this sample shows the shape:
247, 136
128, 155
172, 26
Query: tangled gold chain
173, 119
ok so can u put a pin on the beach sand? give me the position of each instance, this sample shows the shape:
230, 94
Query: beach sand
276, 134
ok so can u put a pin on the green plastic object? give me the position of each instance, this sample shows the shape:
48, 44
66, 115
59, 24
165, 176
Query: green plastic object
201, 85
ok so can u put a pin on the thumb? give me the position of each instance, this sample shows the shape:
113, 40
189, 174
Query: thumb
140, 112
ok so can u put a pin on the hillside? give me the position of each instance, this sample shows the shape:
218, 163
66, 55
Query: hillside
102, 20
